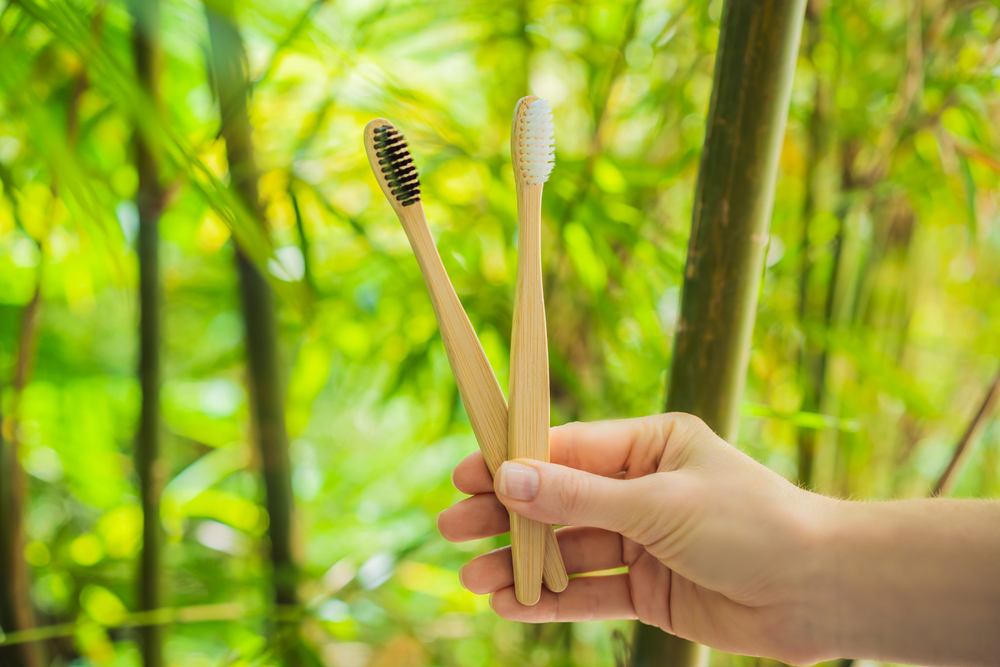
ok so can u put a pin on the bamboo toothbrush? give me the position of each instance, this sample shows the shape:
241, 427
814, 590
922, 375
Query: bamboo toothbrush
532, 152
484, 402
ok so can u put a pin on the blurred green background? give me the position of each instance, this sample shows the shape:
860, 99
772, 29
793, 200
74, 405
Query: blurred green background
890, 165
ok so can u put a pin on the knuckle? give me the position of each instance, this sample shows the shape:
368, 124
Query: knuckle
688, 422
573, 493
569, 433
688, 437
647, 445
646, 432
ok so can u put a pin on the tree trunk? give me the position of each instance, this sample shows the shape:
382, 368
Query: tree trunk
758, 47
265, 385
149, 201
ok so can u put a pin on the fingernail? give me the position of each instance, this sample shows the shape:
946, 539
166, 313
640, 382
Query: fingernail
518, 481
490, 600
461, 581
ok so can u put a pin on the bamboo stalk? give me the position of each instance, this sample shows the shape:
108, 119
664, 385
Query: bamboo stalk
758, 46
225, 611
812, 364
260, 330
304, 244
16, 612
149, 202
950, 475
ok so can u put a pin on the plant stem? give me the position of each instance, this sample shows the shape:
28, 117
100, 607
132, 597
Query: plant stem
16, 611
260, 329
304, 244
812, 363
149, 203
758, 46
962, 449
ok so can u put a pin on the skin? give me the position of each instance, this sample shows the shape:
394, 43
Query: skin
720, 550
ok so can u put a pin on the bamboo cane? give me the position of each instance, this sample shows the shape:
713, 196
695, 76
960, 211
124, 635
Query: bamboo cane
758, 47
260, 329
149, 200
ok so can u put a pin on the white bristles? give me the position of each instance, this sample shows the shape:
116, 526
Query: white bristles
536, 139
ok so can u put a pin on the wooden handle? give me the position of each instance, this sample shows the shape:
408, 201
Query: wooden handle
477, 384
528, 417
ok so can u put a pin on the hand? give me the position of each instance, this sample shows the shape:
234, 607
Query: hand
718, 548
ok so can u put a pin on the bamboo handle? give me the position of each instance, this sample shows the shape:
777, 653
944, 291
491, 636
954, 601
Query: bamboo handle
477, 384
528, 417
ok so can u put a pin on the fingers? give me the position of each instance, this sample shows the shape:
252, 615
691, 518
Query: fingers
556, 494
473, 519
583, 549
585, 599
472, 476
635, 446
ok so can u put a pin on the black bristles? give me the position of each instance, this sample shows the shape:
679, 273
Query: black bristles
397, 165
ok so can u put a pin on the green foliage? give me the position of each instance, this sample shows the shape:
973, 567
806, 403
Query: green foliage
372, 411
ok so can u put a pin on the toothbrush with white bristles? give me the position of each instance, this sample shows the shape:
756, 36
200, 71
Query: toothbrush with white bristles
532, 152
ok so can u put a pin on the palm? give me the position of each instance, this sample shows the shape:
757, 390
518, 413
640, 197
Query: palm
650, 583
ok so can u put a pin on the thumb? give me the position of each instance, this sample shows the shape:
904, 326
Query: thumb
556, 494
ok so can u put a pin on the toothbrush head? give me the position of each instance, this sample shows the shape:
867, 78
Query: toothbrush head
532, 141
392, 163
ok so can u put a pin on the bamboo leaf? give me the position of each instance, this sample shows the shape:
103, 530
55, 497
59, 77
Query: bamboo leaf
811, 420
65, 22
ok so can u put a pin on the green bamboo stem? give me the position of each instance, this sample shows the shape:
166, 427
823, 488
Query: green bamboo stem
13, 570
948, 478
225, 611
16, 610
149, 202
304, 244
812, 363
260, 329
16, 613
755, 63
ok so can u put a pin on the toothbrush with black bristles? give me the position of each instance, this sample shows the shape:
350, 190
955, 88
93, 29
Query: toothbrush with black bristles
396, 174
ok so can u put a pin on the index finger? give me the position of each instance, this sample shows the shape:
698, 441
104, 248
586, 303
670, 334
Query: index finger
635, 447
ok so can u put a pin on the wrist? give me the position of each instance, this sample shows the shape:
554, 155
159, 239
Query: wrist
820, 586
910, 581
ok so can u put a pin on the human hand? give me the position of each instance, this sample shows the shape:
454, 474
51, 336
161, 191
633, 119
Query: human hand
718, 548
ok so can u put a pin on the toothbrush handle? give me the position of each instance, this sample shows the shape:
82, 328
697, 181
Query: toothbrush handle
528, 418
477, 384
